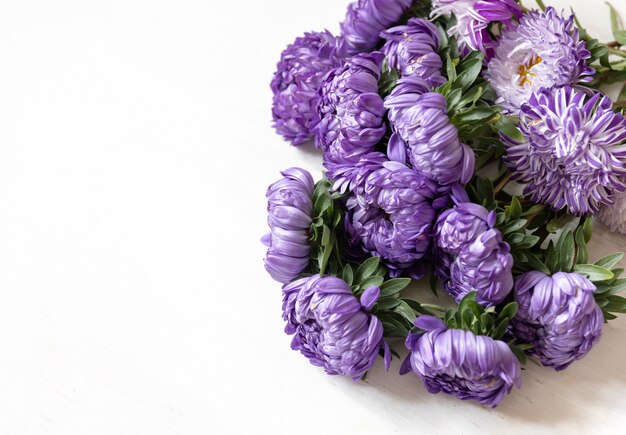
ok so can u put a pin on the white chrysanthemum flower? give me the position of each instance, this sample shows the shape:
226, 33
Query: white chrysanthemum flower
614, 216
543, 51
473, 18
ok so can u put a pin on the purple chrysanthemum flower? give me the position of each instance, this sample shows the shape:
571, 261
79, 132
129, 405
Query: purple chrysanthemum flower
350, 111
573, 154
413, 51
331, 327
470, 254
424, 135
543, 51
484, 266
351, 176
473, 18
290, 208
558, 316
365, 20
297, 80
458, 362
392, 217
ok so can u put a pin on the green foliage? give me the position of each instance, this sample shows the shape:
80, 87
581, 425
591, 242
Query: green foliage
327, 220
388, 79
471, 316
618, 33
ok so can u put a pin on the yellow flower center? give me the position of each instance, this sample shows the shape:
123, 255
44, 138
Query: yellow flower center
525, 72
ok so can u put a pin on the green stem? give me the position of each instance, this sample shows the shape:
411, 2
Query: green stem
502, 183
617, 52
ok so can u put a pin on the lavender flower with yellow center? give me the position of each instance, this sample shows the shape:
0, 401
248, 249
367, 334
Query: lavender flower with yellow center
543, 51
573, 151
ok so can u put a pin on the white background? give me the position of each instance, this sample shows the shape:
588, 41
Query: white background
135, 149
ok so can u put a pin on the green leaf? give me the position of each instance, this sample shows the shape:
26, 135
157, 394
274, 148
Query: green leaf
593, 272
618, 33
473, 95
347, 275
507, 125
405, 311
499, 330
617, 286
325, 235
486, 321
385, 304
514, 211
514, 226
567, 250
617, 304
581, 244
450, 68
541, 5
416, 306
552, 258
608, 316
518, 351
535, 262
588, 228
470, 69
394, 286
508, 312
388, 80
325, 252
528, 242
610, 260
366, 269
372, 281
323, 203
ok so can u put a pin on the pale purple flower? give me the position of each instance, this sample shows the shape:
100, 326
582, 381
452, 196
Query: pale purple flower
573, 153
331, 327
614, 216
543, 51
350, 111
423, 134
413, 50
558, 316
484, 266
297, 80
469, 253
473, 18
365, 20
289, 207
349, 176
458, 362
391, 216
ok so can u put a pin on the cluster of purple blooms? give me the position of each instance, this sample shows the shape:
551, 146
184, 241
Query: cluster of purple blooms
399, 167
471, 254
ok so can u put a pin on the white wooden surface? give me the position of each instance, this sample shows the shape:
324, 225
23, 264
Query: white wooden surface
135, 149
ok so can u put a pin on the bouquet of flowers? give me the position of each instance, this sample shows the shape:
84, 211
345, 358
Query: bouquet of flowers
466, 142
